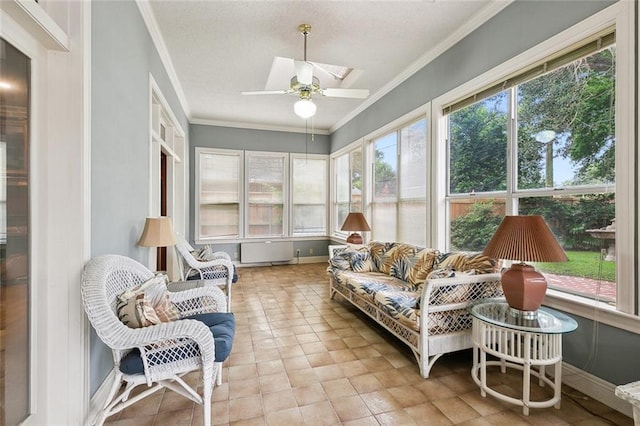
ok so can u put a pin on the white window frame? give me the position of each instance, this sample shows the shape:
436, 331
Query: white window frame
422, 113
233, 152
621, 14
334, 226
325, 158
285, 193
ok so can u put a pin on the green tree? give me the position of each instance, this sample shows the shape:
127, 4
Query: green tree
385, 176
478, 145
473, 230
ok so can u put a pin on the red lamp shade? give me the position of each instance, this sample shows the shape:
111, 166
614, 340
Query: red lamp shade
524, 239
355, 222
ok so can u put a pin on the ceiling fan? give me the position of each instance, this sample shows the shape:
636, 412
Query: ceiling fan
305, 84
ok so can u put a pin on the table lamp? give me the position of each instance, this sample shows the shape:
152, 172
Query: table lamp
355, 222
157, 232
524, 239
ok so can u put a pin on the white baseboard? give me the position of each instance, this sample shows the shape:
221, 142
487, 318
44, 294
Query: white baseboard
99, 398
594, 387
294, 261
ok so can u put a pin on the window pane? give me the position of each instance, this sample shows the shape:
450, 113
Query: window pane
566, 125
219, 195
265, 195
383, 222
478, 146
348, 181
474, 221
580, 224
412, 223
355, 165
309, 195
413, 161
385, 168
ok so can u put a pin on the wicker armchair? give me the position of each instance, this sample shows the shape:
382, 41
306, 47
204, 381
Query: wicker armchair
219, 271
168, 350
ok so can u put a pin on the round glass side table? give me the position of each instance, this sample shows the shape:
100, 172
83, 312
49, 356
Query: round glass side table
521, 344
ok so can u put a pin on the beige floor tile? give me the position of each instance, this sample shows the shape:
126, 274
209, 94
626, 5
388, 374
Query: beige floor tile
342, 355
290, 416
243, 388
174, 418
350, 408
366, 383
353, 368
242, 372
313, 348
420, 414
395, 418
328, 372
295, 363
263, 354
456, 409
320, 359
245, 408
277, 401
408, 395
142, 420
302, 377
339, 388
266, 368
381, 402
319, 414
365, 421
311, 394
274, 382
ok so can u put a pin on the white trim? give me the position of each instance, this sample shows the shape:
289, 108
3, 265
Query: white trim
595, 387
254, 126
464, 30
33, 18
156, 35
99, 398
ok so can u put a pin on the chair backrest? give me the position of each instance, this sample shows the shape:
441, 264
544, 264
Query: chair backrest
103, 279
184, 249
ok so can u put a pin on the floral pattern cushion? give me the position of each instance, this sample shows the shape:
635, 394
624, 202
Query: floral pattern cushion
380, 255
411, 263
464, 261
369, 284
400, 305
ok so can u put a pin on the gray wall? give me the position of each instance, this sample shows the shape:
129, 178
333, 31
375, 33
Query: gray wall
123, 55
602, 350
203, 136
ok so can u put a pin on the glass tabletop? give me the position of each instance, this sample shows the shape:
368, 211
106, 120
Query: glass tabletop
548, 320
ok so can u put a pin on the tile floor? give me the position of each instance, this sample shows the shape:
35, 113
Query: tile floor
302, 359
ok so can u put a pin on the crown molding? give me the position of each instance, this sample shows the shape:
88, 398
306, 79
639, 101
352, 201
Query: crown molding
154, 31
483, 16
255, 126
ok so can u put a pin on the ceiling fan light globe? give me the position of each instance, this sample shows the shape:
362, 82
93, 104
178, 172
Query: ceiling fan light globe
304, 108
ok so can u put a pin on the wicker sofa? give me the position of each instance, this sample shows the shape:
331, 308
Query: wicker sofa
390, 281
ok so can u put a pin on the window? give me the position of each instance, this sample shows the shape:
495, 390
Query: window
309, 195
219, 196
348, 186
246, 195
266, 195
398, 207
542, 142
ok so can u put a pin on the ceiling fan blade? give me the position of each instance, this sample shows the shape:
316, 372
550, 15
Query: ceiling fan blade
345, 93
266, 92
304, 72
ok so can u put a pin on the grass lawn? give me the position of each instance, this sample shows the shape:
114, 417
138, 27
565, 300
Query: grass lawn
586, 264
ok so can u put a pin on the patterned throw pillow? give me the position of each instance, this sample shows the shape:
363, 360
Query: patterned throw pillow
380, 256
147, 304
361, 261
464, 261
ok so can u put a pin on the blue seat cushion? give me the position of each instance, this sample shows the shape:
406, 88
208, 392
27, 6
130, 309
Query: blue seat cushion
222, 326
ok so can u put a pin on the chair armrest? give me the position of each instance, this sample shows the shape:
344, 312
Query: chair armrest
199, 300
457, 292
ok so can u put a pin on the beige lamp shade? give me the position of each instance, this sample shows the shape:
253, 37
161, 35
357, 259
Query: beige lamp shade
525, 239
158, 232
355, 222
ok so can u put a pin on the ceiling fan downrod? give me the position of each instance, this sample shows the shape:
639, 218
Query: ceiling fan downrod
305, 29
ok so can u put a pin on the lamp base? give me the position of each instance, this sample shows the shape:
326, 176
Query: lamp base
523, 287
523, 315
354, 238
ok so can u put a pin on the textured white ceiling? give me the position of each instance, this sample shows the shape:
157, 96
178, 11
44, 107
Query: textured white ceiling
220, 48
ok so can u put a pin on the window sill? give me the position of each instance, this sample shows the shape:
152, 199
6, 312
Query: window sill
592, 309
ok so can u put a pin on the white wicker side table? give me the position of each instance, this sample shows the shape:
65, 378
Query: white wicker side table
631, 393
521, 344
